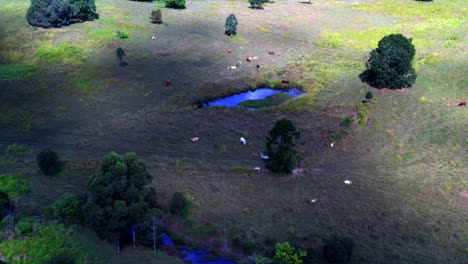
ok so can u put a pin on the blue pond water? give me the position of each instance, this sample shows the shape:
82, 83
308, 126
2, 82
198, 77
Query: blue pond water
262, 93
197, 256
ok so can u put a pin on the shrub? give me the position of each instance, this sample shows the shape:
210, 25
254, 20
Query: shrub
47, 160
156, 16
68, 209
231, 25
178, 4
338, 250
61, 259
12, 185
24, 226
258, 4
179, 204
280, 147
347, 121
390, 65
369, 95
288, 254
57, 13
122, 35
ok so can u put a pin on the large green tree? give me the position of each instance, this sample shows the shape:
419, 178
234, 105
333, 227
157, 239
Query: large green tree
119, 197
390, 65
57, 13
280, 147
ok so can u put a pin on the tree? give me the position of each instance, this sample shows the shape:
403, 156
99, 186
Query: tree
156, 16
57, 13
119, 197
231, 25
177, 4
47, 160
179, 204
369, 96
68, 209
288, 254
280, 147
338, 250
390, 65
120, 54
153, 231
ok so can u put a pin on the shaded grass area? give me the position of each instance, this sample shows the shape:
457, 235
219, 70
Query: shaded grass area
17, 71
18, 118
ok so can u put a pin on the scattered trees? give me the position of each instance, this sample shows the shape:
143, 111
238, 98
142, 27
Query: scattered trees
231, 25
47, 160
390, 65
119, 197
338, 250
288, 254
177, 4
156, 16
57, 13
280, 147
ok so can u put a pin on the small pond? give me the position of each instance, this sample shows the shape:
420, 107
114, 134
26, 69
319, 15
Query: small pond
196, 256
262, 97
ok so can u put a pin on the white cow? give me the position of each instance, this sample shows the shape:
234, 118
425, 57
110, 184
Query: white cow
243, 141
194, 139
257, 169
332, 144
231, 67
153, 38
348, 182
265, 157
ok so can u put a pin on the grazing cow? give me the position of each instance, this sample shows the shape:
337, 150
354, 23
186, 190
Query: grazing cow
257, 169
258, 66
168, 82
243, 141
194, 139
254, 58
332, 144
284, 82
238, 64
264, 157
271, 53
348, 182
313, 200
462, 103
248, 59
153, 38
229, 51
231, 67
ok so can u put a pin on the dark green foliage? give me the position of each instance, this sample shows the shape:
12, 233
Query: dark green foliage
4, 203
280, 147
68, 209
61, 259
24, 226
156, 16
122, 35
390, 65
177, 4
288, 254
347, 121
231, 25
119, 196
179, 204
369, 95
57, 13
258, 4
338, 250
47, 160
120, 54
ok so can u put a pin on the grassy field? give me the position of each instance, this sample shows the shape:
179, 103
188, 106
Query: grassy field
64, 89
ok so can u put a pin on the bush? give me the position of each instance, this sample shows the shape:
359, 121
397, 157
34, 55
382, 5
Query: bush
156, 16
178, 4
338, 250
288, 254
390, 65
57, 13
258, 4
280, 147
122, 35
68, 209
61, 259
179, 204
47, 160
24, 226
369, 95
231, 25
347, 121
12, 185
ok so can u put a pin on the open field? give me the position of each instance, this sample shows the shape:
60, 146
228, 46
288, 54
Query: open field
64, 89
